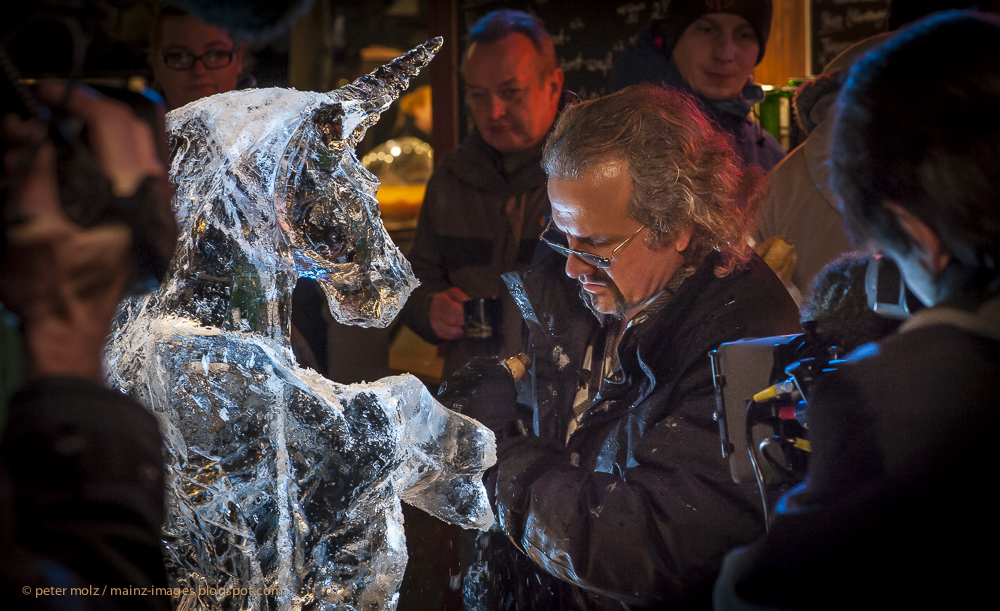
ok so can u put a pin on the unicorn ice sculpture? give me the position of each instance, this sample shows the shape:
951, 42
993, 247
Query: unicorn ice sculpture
284, 488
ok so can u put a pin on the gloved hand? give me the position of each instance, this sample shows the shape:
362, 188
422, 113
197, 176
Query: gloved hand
484, 389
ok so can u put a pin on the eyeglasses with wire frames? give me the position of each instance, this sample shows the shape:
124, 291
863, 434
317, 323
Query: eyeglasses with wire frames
212, 60
596, 260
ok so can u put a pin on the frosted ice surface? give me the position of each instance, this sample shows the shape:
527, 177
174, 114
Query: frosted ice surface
284, 488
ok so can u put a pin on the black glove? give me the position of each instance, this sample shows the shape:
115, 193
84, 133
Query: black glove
484, 389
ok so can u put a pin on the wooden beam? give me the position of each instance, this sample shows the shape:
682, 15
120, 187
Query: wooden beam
442, 16
787, 45
310, 53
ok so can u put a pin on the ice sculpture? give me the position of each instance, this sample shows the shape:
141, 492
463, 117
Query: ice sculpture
284, 488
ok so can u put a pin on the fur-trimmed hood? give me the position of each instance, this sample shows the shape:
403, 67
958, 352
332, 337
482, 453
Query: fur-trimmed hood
814, 100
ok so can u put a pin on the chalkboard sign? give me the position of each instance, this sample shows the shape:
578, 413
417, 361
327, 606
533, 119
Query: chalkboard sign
838, 24
586, 33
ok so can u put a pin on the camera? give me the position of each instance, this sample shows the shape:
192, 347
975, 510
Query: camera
51, 38
763, 386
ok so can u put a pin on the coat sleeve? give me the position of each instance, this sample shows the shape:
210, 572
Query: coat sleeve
427, 261
655, 532
86, 473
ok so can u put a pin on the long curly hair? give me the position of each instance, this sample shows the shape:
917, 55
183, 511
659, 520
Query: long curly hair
683, 171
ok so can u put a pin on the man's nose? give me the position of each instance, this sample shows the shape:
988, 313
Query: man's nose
725, 48
577, 268
497, 107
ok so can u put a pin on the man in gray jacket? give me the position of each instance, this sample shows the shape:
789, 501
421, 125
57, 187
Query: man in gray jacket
486, 202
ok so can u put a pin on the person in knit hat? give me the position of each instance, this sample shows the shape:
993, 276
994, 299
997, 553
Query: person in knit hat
681, 14
708, 48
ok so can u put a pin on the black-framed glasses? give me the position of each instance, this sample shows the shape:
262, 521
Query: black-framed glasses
212, 60
596, 260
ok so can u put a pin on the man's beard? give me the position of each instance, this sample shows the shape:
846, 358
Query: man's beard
620, 306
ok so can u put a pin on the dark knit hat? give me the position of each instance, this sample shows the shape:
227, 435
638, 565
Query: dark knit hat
682, 13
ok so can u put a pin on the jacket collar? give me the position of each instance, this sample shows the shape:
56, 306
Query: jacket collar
482, 167
562, 327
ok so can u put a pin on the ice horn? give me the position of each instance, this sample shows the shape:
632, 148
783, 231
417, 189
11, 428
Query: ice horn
378, 89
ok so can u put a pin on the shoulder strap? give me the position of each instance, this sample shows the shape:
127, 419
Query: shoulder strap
985, 321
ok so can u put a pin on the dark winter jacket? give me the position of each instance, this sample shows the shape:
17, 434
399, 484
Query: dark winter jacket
81, 500
465, 238
644, 62
638, 506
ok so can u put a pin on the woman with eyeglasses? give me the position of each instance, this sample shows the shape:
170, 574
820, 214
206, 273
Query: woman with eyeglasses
192, 59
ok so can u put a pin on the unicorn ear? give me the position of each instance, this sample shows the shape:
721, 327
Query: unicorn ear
374, 92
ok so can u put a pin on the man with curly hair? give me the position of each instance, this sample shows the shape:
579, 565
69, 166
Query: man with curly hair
609, 474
